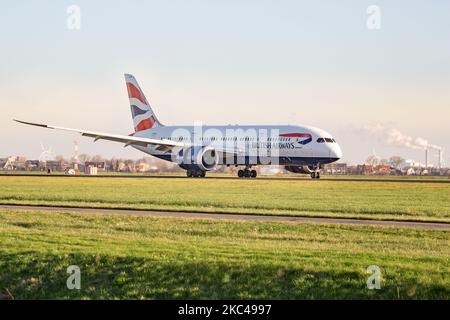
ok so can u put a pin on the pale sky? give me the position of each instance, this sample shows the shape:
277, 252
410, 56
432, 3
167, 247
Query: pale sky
221, 62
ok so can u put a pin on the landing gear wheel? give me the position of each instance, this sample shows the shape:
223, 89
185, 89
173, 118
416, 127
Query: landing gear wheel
246, 173
315, 175
195, 174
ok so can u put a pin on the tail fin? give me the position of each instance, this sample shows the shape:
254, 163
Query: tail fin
143, 116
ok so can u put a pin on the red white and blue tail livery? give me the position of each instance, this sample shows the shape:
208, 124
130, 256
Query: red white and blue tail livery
143, 116
198, 149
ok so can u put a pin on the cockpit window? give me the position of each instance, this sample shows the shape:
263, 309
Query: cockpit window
323, 140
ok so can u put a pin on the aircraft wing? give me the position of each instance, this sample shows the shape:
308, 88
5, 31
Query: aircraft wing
127, 140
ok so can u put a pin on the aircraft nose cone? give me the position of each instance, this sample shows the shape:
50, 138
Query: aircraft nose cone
336, 152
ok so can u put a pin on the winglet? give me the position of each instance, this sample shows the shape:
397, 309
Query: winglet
32, 123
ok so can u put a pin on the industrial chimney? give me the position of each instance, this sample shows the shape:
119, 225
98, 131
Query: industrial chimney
426, 158
75, 156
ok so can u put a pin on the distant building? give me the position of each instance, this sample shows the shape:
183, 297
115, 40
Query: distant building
33, 165
20, 164
15, 163
335, 168
381, 169
367, 169
100, 165
55, 165
90, 170
363, 169
3, 162
145, 167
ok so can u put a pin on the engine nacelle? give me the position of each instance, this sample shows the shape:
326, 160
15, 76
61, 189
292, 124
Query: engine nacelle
299, 169
200, 158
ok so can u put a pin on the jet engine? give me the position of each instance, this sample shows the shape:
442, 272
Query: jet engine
199, 158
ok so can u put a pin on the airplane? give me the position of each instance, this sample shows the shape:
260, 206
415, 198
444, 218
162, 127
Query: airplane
200, 148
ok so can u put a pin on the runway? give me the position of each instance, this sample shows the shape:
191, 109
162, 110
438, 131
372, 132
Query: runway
238, 217
261, 178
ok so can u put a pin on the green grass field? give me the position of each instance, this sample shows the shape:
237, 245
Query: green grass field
371, 200
169, 258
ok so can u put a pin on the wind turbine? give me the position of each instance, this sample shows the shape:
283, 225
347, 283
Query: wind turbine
46, 154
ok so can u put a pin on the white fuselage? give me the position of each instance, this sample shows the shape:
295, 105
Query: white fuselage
283, 145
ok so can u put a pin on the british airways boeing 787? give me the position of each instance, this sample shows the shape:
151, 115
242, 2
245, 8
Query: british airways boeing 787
199, 148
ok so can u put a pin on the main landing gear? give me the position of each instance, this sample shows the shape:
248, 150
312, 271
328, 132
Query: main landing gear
195, 173
247, 173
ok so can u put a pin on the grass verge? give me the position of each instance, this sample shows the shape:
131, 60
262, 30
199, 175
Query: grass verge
369, 200
172, 258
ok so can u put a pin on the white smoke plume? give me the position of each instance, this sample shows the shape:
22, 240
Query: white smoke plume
395, 137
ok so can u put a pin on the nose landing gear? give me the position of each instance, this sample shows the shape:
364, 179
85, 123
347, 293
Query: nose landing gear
315, 174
